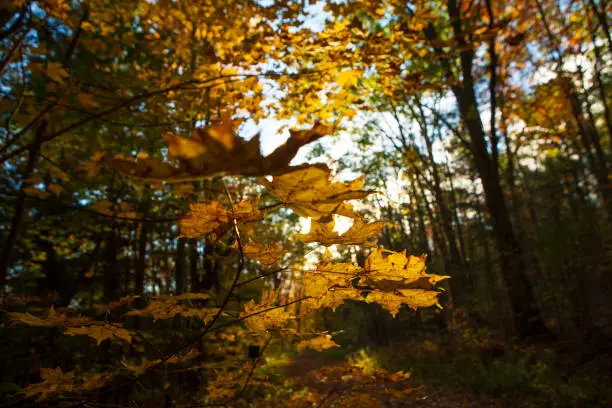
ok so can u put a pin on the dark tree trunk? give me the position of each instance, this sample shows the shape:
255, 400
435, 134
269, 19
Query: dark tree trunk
112, 274
13, 235
527, 318
141, 260
194, 276
180, 272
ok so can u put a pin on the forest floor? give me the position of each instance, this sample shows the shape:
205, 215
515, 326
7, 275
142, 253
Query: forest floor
523, 378
305, 371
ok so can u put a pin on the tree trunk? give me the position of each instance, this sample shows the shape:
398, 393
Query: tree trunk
180, 272
141, 261
526, 316
194, 277
111, 279
11, 240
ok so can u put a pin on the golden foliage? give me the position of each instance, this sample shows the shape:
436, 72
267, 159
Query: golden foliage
311, 193
319, 343
413, 298
203, 219
52, 319
55, 381
100, 332
214, 218
167, 308
214, 151
266, 254
266, 314
360, 233
398, 267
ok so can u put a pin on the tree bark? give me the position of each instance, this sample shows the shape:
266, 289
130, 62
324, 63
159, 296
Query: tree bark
20, 207
526, 316
180, 272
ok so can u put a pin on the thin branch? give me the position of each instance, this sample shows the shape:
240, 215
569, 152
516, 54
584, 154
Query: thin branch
252, 371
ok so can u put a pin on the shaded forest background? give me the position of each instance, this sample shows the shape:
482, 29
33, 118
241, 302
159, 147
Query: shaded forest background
484, 126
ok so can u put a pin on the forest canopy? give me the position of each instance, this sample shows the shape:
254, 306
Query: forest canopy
282, 203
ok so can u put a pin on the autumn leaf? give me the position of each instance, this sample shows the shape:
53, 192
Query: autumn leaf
55, 381
215, 151
213, 217
262, 319
185, 356
310, 193
319, 343
413, 298
358, 234
167, 309
56, 71
203, 219
246, 211
266, 254
87, 100
329, 285
100, 332
192, 296
93, 382
398, 267
348, 78
52, 319
126, 300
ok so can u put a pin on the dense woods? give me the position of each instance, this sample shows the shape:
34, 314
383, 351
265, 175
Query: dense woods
306, 204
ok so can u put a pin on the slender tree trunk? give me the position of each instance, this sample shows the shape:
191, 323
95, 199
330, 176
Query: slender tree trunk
456, 267
194, 276
112, 275
180, 269
527, 318
602, 17
211, 268
141, 260
20, 206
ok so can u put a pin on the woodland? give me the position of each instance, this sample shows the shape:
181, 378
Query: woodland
315, 203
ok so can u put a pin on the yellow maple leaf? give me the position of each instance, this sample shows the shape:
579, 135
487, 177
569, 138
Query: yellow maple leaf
100, 332
56, 71
259, 319
54, 382
215, 151
166, 307
319, 343
329, 285
358, 234
223, 132
398, 267
266, 254
349, 78
52, 319
93, 382
188, 355
184, 148
203, 219
246, 211
87, 100
310, 193
413, 298
206, 218
123, 301
192, 296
